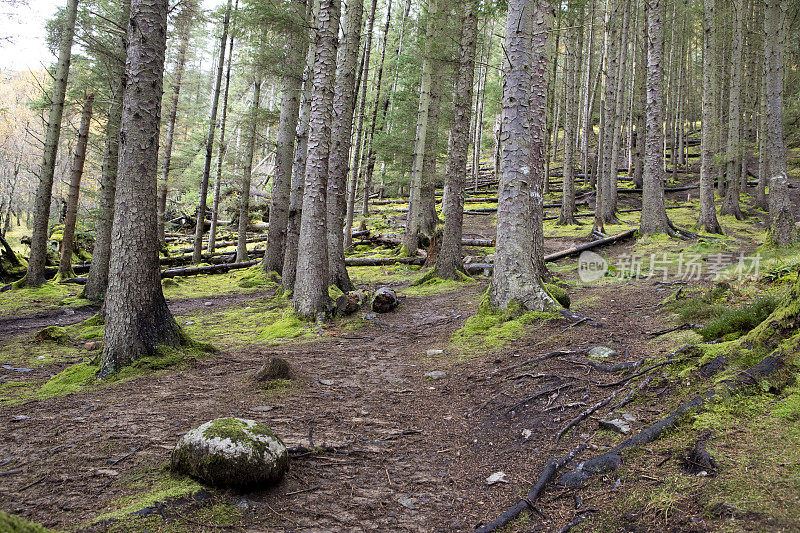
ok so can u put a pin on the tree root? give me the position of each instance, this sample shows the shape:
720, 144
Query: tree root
550, 470
611, 460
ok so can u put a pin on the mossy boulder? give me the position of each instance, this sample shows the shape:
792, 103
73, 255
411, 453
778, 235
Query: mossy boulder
10, 523
232, 452
277, 368
53, 334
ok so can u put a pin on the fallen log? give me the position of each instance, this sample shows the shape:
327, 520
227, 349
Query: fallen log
633, 210
226, 267
475, 268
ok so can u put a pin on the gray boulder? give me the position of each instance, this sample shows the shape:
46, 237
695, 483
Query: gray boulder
231, 452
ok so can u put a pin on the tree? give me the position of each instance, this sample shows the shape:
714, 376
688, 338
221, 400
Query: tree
516, 278
654, 213
44, 192
183, 23
285, 141
247, 170
201, 210
223, 147
607, 178
137, 319
448, 263
68, 235
734, 149
97, 279
426, 102
782, 230
572, 75
341, 134
708, 214
311, 298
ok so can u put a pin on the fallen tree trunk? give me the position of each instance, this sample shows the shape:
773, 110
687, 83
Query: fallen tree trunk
223, 267
475, 268
632, 210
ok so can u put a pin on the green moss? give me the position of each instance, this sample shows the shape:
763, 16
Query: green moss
558, 294
69, 381
287, 326
430, 284
334, 292
491, 328
156, 489
47, 295
10, 523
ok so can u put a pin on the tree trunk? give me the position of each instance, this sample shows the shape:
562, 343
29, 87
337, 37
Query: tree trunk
654, 214
411, 238
68, 235
733, 158
341, 138
516, 279
223, 148
44, 192
373, 123
212, 126
289, 271
362, 106
607, 179
184, 27
572, 85
310, 297
708, 214
782, 229
619, 109
97, 279
138, 321
247, 172
285, 138
448, 262
640, 98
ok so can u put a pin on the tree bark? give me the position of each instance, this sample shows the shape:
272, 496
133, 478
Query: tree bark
516, 278
68, 235
448, 262
782, 229
97, 279
708, 214
137, 320
285, 140
184, 27
733, 158
341, 138
289, 271
607, 178
310, 297
411, 238
572, 83
223, 148
212, 126
654, 214
44, 192
247, 172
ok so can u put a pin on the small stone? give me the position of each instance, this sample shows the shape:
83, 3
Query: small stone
188, 323
434, 352
617, 425
602, 352
69, 312
407, 502
327, 382
106, 472
628, 417
208, 304
497, 477
436, 374
232, 452
17, 418
91, 345
262, 408
526, 434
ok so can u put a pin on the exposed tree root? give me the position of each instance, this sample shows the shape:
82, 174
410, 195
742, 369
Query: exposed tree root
526, 503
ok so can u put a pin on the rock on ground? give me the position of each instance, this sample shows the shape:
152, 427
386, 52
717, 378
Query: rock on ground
231, 452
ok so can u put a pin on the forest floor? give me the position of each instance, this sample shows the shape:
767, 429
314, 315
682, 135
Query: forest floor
416, 452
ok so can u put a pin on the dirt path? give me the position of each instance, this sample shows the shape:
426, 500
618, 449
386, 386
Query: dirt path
425, 447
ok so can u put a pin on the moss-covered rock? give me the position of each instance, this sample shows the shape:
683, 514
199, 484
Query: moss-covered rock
231, 452
53, 334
